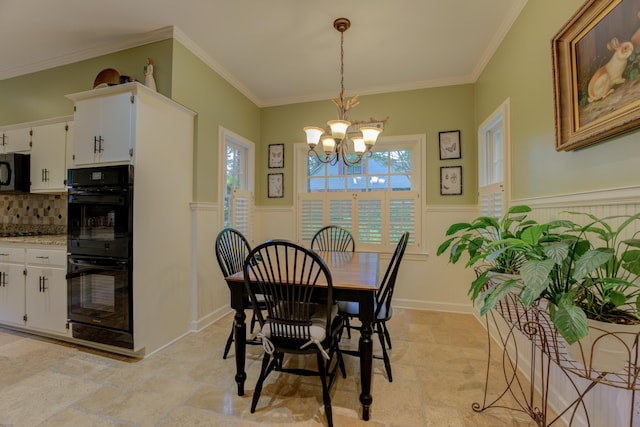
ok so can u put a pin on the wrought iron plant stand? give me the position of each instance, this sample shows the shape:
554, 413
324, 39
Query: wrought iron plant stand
511, 320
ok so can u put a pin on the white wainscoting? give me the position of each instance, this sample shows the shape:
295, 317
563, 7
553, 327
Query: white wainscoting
210, 294
425, 281
607, 406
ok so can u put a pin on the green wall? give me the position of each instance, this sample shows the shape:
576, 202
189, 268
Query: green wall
425, 111
217, 103
41, 95
179, 75
521, 70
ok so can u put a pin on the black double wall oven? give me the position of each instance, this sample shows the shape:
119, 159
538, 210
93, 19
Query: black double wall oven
100, 254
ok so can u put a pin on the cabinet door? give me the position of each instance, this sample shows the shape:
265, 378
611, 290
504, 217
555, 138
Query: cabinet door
46, 299
16, 140
103, 129
48, 172
87, 119
117, 128
12, 294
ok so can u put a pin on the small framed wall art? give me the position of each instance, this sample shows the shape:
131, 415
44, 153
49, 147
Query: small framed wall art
450, 145
450, 180
274, 183
276, 155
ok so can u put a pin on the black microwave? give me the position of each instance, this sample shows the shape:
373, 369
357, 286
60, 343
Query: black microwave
14, 172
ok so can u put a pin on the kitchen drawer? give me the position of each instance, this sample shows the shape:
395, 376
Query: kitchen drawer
15, 255
47, 257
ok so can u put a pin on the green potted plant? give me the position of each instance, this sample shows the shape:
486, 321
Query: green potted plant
587, 273
485, 243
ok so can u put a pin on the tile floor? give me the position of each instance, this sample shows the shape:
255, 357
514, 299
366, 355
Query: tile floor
438, 362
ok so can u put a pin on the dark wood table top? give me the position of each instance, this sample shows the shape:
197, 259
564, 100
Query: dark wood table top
349, 270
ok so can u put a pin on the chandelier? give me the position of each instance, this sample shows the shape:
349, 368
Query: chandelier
340, 134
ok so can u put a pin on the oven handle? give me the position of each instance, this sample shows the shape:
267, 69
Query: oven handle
102, 262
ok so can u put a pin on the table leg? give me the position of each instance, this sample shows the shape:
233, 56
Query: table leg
366, 368
239, 338
366, 315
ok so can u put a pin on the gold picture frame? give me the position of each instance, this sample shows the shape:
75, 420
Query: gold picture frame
595, 73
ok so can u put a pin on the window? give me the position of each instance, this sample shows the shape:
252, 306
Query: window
237, 165
377, 200
493, 171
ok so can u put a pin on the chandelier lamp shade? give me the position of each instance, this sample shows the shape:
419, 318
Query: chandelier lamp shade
340, 134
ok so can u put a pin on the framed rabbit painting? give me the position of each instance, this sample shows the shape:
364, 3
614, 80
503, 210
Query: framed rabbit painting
596, 73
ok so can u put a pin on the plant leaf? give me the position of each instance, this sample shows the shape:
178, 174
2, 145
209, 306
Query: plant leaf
535, 276
590, 261
444, 245
631, 261
557, 251
571, 322
496, 294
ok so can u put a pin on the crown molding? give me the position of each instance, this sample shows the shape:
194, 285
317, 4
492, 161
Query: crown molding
134, 41
192, 47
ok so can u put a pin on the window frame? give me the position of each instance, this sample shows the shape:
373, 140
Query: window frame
496, 194
226, 137
417, 144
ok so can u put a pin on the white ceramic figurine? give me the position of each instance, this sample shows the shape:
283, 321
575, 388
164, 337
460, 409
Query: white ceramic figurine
149, 81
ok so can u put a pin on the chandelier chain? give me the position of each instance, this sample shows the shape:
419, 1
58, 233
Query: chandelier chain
335, 141
342, 111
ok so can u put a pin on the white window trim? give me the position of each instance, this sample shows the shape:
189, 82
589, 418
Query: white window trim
223, 135
502, 112
301, 151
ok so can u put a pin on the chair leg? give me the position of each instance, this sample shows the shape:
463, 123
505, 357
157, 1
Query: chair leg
347, 325
322, 368
341, 362
386, 334
385, 355
228, 344
263, 374
254, 319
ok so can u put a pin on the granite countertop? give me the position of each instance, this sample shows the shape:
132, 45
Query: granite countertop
45, 239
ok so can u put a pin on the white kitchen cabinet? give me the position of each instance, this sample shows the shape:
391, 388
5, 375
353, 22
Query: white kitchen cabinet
161, 144
12, 290
46, 291
33, 289
48, 157
15, 139
104, 128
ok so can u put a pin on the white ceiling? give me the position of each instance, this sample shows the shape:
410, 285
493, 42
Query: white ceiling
274, 51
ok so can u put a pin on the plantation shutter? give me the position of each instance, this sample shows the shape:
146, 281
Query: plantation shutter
371, 218
404, 211
491, 199
242, 208
310, 212
375, 219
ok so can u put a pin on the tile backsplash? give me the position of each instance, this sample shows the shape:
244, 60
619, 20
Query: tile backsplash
46, 213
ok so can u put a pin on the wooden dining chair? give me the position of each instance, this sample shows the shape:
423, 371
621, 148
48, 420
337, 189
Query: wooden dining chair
333, 238
382, 306
301, 317
231, 249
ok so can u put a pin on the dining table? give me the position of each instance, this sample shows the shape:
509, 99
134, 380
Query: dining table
355, 278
